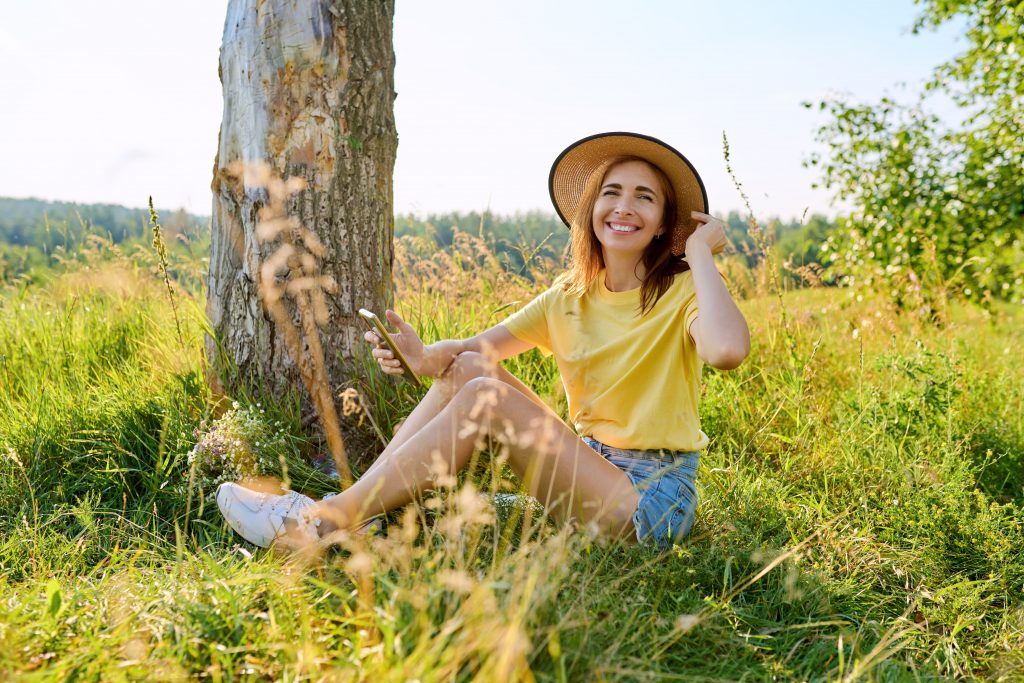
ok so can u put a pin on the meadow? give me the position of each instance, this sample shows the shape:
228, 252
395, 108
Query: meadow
861, 509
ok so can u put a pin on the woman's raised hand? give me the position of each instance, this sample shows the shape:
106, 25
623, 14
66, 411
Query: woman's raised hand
407, 341
710, 233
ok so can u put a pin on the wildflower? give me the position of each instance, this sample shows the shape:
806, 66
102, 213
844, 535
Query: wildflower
237, 445
456, 580
12, 455
686, 622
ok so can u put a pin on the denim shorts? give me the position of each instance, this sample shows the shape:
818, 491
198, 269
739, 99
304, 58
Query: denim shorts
666, 482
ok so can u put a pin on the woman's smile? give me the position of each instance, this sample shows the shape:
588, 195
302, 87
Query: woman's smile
622, 227
629, 207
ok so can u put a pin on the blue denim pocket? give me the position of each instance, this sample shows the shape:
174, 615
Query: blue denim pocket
681, 518
666, 482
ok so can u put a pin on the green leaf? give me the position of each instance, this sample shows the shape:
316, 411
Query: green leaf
1005, 31
54, 602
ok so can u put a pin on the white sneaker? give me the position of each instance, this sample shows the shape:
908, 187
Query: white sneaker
261, 518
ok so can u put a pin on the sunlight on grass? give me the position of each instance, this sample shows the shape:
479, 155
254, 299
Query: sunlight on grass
860, 515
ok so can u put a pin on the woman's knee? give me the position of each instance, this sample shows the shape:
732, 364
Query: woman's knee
467, 365
497, 408
482, 398
484, 390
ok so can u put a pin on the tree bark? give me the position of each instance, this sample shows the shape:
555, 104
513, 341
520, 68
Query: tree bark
309, 89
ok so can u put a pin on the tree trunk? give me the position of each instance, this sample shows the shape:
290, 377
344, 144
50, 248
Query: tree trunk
308, 88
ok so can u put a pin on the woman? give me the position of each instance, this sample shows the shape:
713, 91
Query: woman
630, 323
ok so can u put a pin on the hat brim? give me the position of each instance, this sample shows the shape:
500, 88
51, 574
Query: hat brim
575, 165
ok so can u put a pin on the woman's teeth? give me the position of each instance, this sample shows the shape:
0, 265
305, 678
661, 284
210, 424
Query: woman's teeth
623, 228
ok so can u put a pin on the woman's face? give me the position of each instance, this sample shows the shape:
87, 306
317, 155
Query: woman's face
629, 208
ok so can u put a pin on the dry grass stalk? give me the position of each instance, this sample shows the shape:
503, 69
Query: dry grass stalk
161, 251
811, 273
296, 259
763, 244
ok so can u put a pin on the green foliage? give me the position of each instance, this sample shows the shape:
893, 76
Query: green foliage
48, 225
523, 241
861, 514
36, 234
800, 245
929, 201
518, 241
17, 260
793, 241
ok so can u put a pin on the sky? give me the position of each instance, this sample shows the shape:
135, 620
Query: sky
118, 100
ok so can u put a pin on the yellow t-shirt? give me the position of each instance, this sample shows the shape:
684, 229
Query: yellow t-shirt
631, 382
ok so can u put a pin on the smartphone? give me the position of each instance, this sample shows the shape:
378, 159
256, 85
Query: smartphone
378, 327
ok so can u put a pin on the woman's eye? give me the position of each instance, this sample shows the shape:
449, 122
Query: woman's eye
608, 193
647, 197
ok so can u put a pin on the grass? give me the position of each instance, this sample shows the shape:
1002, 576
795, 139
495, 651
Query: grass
860, 515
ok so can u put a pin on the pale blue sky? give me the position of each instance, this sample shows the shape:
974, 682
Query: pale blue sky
114, 101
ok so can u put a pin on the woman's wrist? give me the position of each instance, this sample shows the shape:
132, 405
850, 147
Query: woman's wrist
697, 250
442, 354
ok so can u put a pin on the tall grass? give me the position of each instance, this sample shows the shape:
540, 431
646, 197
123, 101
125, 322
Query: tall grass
860, 509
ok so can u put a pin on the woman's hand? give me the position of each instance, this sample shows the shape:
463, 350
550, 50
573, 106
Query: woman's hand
407, 341
710, 233
424, 360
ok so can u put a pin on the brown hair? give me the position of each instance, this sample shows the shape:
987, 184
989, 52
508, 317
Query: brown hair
586, 259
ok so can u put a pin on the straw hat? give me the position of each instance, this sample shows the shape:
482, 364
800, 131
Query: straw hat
574, 166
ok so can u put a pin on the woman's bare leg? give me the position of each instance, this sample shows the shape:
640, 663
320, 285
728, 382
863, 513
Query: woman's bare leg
465, 367
567, 476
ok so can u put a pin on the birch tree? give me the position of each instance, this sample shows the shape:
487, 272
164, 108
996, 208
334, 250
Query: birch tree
308, 89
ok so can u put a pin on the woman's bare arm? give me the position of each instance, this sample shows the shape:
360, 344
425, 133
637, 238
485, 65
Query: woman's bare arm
720, 330
496, 343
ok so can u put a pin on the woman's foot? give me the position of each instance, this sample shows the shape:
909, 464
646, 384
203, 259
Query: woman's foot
263, 518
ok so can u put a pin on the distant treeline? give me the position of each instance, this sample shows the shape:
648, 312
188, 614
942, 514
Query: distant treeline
35, 234
519, 236
46, 225
514, 238
33, 230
